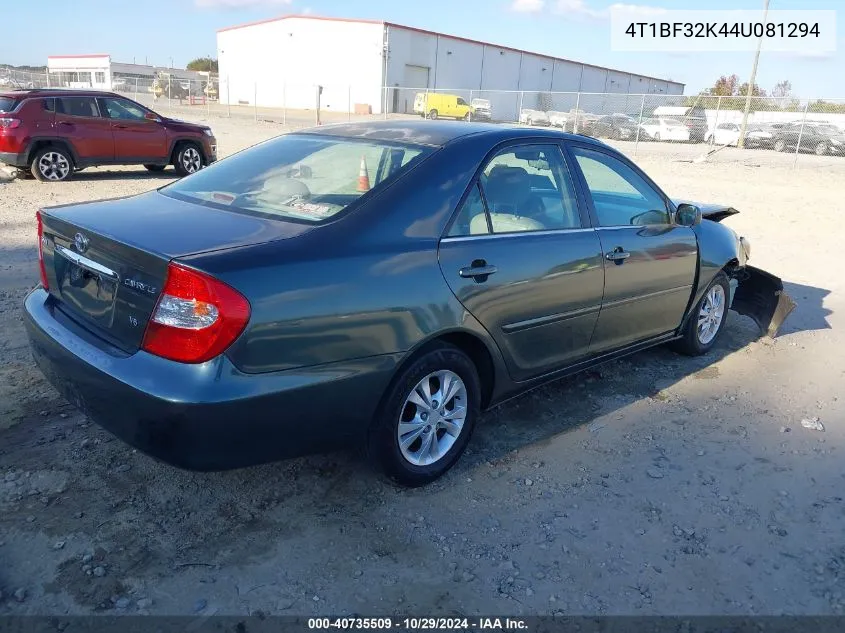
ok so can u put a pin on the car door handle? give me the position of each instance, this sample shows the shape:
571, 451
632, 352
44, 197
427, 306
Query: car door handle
618, 255
478, 270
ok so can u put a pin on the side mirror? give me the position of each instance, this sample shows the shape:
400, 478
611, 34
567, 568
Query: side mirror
688, 215
151, 116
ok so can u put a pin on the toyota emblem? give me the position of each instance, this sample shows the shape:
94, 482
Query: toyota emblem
80, 242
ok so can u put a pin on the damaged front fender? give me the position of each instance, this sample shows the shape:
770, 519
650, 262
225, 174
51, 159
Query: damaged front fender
760, 295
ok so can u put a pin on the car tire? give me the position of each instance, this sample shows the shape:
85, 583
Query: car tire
467, 117
656, 137
411, 463
188, 159
707, 319
52, 164
155, 168
780, 145
432, 115
821, 149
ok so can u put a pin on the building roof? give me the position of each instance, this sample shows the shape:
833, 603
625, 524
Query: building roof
75, 56
427, 32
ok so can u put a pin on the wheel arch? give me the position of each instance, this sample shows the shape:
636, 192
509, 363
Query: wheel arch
471, 344
39, 143
178, 142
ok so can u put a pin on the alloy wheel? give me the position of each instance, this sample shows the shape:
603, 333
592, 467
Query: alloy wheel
191, 160
432, 418
711, 314
54, 166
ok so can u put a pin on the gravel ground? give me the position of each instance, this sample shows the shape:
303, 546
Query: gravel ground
654, 485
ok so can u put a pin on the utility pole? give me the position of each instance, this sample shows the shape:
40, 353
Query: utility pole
741, 141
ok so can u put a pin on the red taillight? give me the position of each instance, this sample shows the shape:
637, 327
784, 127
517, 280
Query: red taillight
196, 318
41, 239
9, 124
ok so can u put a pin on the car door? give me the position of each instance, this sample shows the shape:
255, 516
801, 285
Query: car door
521, 258
78, 119
650, 262
136, 138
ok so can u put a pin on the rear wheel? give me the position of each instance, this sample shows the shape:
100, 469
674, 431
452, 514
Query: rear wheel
155, 168
432, 115
780, 145
657, 136
821, 149
52, 164
188, 159
707, 319
427, 416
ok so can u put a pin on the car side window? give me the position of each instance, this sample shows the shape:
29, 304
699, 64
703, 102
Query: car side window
123, 109
461, 101
77, 106
472, 218
620, 196
529, 188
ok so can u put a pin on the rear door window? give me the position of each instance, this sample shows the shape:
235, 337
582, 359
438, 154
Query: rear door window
78, 106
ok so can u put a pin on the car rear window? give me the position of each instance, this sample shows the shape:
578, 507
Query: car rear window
300, 177
7, 104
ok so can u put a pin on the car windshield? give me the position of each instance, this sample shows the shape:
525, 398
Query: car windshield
7, 104
298, 176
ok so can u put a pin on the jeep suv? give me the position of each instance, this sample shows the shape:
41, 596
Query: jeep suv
53, 133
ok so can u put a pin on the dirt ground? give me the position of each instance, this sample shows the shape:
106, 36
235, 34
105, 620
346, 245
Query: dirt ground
655, 485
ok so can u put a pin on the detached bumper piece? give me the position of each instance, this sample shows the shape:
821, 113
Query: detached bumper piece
761, 296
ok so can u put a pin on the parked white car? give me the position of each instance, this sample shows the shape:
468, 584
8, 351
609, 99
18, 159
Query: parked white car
756, 135
663, 129
558, 119
534, 117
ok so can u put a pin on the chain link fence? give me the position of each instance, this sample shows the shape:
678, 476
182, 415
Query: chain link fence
688, 127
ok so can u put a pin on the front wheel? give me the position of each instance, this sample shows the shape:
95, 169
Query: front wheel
821, 149
427, 417
780, 145
467, 116
188, 160
707, 319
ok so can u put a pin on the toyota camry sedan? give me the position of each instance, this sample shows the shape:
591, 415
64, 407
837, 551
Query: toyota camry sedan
378, 284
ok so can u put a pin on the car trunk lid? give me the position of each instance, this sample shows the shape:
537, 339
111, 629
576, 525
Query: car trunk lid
106, 262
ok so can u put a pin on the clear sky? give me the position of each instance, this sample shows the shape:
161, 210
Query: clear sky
156, 31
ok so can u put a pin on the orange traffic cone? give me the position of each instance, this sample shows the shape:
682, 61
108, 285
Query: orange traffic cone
363, 176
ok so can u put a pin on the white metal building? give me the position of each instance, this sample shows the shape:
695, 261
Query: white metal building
279, 61
100, 72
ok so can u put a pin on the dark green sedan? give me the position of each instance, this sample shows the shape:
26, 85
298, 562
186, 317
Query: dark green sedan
377, 283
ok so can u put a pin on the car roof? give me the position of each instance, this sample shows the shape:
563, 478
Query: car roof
55, 92
437, 133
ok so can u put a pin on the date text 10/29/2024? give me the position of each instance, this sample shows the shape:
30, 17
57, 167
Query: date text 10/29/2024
418, 624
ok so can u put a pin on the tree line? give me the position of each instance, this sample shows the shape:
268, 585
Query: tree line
729, 94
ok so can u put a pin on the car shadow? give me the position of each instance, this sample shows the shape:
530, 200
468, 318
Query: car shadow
139, 174
568, 403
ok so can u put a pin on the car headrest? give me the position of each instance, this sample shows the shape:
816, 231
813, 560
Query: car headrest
507, 187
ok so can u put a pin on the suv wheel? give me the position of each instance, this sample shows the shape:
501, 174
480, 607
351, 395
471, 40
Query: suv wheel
155, 168
188, 159
427, 416
52, 164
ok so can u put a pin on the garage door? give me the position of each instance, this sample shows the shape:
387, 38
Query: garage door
415, 80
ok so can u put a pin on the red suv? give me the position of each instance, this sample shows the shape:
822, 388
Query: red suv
56, 132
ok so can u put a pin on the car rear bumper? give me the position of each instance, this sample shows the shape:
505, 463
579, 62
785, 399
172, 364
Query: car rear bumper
12, 159
209, 416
